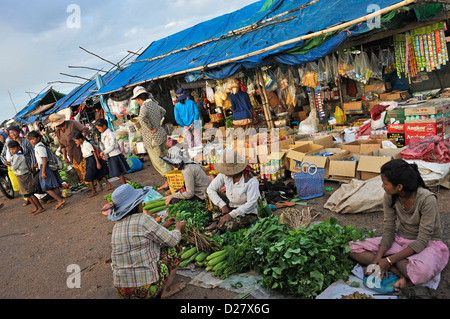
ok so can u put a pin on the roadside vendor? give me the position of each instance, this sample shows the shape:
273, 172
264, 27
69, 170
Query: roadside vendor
237, 208
194, 175
145, 255
65, 130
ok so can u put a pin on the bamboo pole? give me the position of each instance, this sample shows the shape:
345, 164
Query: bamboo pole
75, 76
265, 98
85, 67
117, 65
287, 42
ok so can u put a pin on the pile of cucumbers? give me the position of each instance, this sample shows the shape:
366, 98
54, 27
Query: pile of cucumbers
155, 206
212, 261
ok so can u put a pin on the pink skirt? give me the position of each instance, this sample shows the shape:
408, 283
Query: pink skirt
422, 267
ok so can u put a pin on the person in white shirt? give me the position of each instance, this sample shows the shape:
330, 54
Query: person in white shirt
49, 180
24, 176
238, 209
117, 163
96, 168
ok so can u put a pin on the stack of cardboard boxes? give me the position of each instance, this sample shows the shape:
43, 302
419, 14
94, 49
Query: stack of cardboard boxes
430, 118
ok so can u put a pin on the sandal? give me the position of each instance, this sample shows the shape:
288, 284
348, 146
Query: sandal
284, 204
58, 207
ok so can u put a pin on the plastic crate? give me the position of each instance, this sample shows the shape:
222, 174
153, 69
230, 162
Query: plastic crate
309, 181
175, 181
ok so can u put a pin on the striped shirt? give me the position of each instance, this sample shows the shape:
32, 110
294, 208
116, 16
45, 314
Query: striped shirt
136, 243
150, 118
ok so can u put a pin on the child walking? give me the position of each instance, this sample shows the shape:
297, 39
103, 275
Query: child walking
414, 250
49, 180
96, 168
117, 163
24, 176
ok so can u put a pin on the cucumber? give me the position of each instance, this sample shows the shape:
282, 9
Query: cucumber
201, 257
216, 254
217, 260
219, 265
156, 209
186, 262
209, 268
189, 253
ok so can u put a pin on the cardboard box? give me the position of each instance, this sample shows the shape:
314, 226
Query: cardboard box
364, 146
296, 155
283, 145
353, 106
370, 104
400, 138
424, 110
430, 128
320, 161
300, 116
344, 167
376, 88
324, 140
275, 156
409, 136
395, 96
369, 166
396, 116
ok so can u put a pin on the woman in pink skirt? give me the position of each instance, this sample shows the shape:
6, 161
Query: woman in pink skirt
414, 250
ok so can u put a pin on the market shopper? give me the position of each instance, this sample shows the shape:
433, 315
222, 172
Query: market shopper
96, 168
49, 180
16, 134
145, 254
194, 176
65, 129
153, 133
27, 188
117, 164
238, 206
413, 250
187, 116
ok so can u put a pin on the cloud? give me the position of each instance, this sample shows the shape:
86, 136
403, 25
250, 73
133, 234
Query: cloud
38, 44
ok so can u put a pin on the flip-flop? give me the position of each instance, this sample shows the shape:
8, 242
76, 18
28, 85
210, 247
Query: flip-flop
58, 207
284, 204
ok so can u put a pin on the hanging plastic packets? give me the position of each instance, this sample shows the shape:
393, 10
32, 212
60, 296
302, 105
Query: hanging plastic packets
319, 105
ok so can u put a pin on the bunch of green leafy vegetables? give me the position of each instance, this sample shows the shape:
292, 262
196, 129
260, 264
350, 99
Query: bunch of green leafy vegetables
308, 260
301, 263
193, 212
250, 246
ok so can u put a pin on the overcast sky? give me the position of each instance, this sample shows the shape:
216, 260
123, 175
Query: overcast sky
41, 38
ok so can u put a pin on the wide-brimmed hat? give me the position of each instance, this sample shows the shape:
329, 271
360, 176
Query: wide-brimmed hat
138, 90
56, 120
124, 199
182, 94
231, 163
175, 156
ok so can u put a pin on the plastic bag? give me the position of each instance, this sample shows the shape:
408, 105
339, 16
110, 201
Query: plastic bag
334, 66
310, 78
366, 69
322, 76
270, 81
250, 87
310, 125
339, 115
210, 94
377, 69
282, 80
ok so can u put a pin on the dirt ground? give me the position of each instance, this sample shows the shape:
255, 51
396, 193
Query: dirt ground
37, 252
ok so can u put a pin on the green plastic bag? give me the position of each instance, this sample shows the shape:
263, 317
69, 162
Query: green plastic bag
263, 208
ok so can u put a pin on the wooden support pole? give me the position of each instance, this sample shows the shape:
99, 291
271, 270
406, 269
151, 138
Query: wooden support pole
265, 98
117, 65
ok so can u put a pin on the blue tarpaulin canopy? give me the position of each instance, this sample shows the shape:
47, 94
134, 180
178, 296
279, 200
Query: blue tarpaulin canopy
248, 38
81, 93
47, 97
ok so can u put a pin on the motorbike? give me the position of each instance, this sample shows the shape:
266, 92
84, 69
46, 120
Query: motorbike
6, 186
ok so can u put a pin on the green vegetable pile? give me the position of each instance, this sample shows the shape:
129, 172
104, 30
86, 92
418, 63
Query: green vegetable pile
300, 263
193, 212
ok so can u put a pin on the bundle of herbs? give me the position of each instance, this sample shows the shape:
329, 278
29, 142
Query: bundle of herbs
308, 260
193, 212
